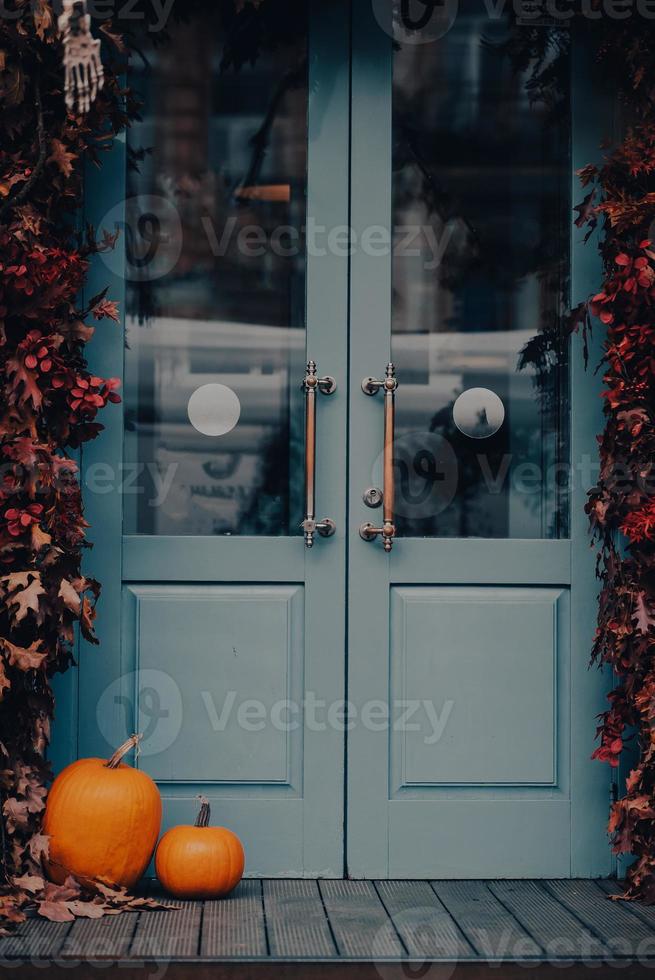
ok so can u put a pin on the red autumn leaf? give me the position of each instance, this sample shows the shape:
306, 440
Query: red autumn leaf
106, 308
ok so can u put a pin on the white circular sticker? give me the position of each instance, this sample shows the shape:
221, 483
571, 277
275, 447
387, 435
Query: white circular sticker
214, 409
478, 413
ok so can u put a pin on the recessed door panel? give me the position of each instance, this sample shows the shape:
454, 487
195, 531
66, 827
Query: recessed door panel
238, 720
478, 669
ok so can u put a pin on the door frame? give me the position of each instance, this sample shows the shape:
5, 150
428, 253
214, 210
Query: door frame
358, 131
569, 563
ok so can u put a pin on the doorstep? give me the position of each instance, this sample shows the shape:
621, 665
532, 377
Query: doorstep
273, 929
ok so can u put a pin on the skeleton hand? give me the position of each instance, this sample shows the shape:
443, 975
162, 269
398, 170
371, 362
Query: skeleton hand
84, 74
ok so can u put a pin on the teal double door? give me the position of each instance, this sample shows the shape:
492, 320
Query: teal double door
382, 198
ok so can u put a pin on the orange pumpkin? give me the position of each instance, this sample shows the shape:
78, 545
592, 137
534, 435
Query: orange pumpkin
199, 861
103, 819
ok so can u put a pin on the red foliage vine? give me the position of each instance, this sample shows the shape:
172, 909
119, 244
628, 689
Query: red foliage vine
622, 506
49, 403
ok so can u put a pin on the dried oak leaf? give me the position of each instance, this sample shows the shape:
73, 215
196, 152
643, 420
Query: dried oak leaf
39, 847
24, 386
69, 596
5, 683
25, 658
29, 883
643, 617
27, 597
62, 157
39, 538
55, 911
16, 814
43, 17
88, 910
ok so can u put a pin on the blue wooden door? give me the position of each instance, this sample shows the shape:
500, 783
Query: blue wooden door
434, 698
217, 624
469, 639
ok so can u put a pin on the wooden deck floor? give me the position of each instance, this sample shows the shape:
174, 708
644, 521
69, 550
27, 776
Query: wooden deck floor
380, 930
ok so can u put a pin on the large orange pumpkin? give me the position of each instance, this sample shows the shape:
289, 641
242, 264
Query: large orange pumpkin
103, 819
199, 861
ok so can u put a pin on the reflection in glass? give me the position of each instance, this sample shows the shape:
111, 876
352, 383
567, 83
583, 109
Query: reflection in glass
481, 216
216, 266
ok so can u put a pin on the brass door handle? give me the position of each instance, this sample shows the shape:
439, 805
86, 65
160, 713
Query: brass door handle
371, 386
311, 385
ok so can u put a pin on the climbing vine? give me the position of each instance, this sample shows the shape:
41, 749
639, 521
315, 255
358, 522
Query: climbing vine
621, 195
50, 404
617, 213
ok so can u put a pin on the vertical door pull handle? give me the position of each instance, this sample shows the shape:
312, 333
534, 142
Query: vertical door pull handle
311, 385
371, 386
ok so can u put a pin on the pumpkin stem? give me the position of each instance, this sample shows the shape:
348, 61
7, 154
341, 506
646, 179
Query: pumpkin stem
122, 750
202, 820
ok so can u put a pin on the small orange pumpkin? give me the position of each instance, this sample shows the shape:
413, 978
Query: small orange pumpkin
199, 861
103, 819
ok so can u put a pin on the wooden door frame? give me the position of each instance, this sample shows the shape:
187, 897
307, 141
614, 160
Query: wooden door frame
76, 730
569, 562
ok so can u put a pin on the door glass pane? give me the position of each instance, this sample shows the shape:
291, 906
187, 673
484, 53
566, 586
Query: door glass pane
481, 215
216, 292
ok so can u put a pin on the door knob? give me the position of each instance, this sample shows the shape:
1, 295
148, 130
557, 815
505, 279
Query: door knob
311, 385
371, 386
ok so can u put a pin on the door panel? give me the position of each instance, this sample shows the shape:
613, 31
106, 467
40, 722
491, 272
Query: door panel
235, 639
463, 644
467, 621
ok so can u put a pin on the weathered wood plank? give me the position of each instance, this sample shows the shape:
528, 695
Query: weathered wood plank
557, 931
235, 926
628, 929
490, 928
166, 934
424, 925
360, 924
96, 939
295, 919
35, 939
644, 912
